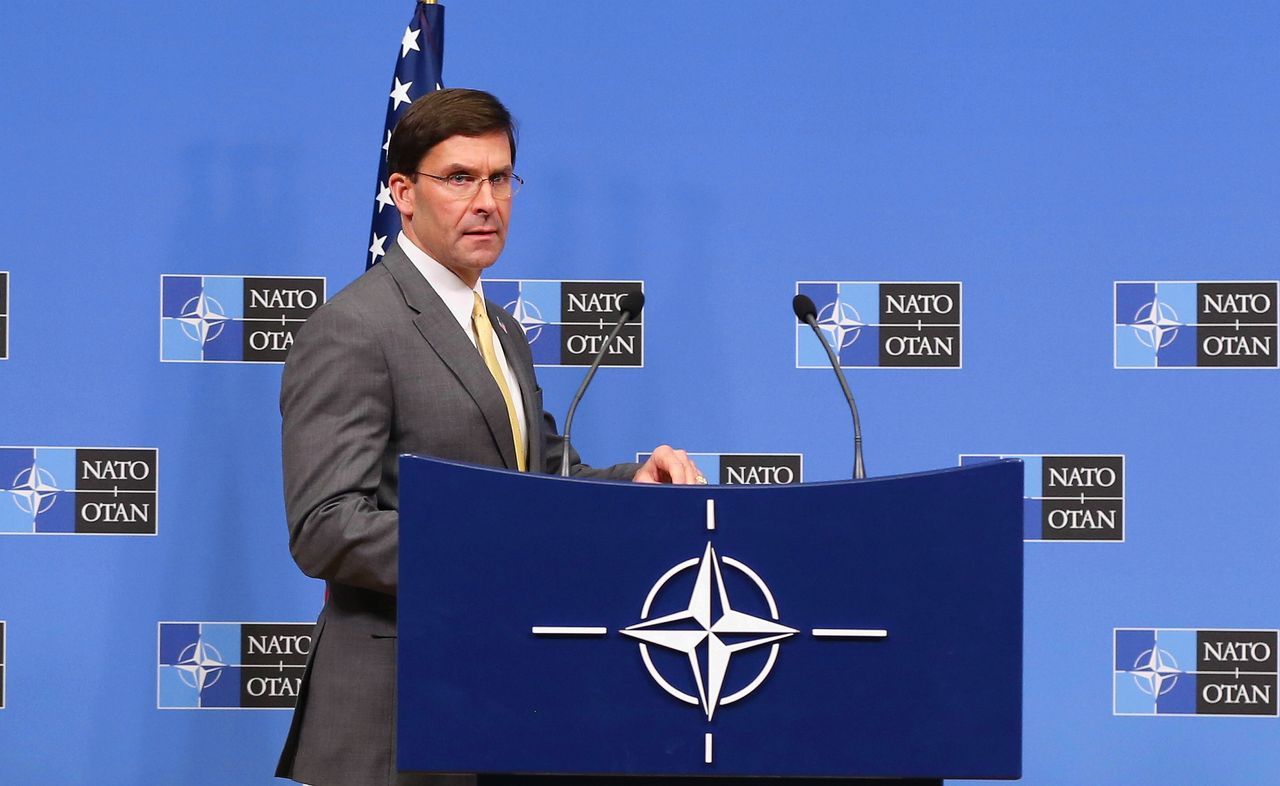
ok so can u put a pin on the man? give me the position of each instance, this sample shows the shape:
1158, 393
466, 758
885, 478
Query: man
407, 359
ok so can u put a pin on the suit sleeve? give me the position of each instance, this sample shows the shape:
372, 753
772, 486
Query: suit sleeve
553, 450
335, 404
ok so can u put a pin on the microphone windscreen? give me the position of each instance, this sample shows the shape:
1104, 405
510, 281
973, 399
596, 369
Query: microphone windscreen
631, 304
804, 308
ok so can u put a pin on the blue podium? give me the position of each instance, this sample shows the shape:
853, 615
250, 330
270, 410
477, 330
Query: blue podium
858, 629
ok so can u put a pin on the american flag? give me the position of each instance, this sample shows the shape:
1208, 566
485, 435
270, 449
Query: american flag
418, 70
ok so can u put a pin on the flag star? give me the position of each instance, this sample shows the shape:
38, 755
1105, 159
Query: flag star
386, 146
400, 93
375, 249
384, 197
409, 42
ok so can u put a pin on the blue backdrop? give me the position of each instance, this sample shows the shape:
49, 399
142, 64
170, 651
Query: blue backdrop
721, 153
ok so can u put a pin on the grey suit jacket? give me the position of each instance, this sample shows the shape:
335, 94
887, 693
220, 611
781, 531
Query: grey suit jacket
380, 370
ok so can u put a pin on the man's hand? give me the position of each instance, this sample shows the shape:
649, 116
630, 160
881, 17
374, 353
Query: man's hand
666, 465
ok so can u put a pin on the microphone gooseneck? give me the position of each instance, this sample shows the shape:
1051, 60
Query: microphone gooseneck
807, 313
628, 309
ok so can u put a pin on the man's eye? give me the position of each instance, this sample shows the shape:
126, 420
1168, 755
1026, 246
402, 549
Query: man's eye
460, 180
499, 180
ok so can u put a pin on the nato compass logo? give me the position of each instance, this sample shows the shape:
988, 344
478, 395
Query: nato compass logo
78, 491
230, 665
1187, 324
1183, 671
233, 319
1064, 497
703, 614
746, 469
882, 325
4, 315
566, 322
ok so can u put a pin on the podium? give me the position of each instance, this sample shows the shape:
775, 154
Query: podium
560, 631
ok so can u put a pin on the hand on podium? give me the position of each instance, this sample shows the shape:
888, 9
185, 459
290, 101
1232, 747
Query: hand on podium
668, 465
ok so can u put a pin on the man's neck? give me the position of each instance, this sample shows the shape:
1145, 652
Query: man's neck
465, 275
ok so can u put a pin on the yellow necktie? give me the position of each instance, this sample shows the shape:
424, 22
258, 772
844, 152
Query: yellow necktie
484, 336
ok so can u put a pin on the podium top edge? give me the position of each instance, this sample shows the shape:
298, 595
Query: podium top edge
718, 486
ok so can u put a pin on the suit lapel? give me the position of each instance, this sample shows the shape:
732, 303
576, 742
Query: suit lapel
521, 363
437, 325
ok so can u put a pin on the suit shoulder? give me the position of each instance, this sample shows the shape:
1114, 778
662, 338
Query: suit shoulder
374, 286
366, 300
357, 310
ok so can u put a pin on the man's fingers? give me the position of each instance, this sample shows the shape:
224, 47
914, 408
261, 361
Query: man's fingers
677, 466
691, 473
681, 468
667, 465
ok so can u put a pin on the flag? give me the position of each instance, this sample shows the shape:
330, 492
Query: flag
418, 72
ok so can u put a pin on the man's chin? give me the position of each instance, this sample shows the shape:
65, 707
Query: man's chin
471, 266
477, 260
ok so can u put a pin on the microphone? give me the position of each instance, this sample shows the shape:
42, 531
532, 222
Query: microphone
807, 313
628, 309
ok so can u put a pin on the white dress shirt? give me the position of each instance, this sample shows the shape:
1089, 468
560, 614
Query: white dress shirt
458, 298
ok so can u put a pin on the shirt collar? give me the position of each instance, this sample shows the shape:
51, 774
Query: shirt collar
457, 296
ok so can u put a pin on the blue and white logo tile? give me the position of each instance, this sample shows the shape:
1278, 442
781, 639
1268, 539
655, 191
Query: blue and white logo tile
78, 491
883, 324
1194, 672
234, 319
1190, 324
566, 322
230, 665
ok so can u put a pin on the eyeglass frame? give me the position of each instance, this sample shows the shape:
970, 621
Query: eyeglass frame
478, 180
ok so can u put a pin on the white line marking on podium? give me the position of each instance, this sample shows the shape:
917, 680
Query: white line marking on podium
711, 514
850, 633
567, 630
708, 748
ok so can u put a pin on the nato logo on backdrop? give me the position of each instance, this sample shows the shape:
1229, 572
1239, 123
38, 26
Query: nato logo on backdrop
78, 491
230, 665
746, 469
1184, 671
4, 315
234, 319
566, 322
1189, 324
882, 325
1068, 497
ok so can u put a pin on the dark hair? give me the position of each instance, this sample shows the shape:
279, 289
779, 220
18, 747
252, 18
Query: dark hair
441, 114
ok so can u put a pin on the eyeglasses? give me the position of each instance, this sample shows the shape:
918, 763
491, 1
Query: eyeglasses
460, 185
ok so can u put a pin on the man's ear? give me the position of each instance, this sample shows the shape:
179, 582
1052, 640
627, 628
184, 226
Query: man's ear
402, 193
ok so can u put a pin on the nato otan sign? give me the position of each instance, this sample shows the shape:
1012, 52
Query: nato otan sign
1195, 324
230, 665
566, 322
887, 324
234, 319
78, 491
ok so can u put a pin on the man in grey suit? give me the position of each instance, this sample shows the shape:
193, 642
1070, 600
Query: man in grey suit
404, 361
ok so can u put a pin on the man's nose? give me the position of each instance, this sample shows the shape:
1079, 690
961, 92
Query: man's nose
484, 201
